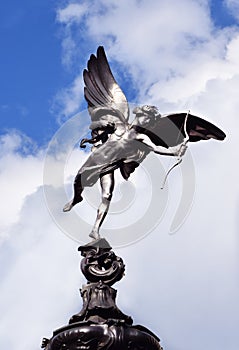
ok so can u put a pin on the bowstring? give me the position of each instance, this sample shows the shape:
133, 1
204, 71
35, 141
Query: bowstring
179, 160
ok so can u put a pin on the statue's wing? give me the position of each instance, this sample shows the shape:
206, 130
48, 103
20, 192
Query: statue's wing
107, 103
170, 130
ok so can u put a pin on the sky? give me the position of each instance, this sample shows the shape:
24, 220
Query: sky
182, 55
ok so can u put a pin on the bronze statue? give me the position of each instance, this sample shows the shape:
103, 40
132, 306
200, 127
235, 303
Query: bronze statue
120, 144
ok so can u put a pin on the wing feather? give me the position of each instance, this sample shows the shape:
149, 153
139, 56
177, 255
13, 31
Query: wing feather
93, 88
93, 69
102, 90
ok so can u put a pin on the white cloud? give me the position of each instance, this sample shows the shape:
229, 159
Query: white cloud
34, 255
68, 100
69, 48
70, 16
33, 251
72, 13
20, 175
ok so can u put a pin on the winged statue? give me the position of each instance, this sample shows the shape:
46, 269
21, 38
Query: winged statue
119, 144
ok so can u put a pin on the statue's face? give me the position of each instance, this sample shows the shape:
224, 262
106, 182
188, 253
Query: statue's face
145, 115
150, 109
144, 119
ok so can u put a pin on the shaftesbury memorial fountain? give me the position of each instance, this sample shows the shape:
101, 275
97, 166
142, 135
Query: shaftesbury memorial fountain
117, 144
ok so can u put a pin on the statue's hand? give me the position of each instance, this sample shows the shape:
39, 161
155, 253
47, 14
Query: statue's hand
181, 149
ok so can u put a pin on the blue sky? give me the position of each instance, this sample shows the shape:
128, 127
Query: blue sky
31, 67
221, 15
176, 55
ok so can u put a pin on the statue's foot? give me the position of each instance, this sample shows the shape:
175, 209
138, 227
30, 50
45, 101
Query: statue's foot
68, 206
71, 204
95, 235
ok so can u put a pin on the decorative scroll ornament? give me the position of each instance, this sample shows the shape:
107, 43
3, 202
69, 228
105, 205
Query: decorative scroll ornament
100, 263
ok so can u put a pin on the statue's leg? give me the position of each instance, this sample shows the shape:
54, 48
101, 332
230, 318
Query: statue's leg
107, 185
78, 188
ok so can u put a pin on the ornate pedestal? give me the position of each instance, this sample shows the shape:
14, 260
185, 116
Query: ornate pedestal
100, 324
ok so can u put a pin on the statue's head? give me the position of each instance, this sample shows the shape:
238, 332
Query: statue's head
146, 115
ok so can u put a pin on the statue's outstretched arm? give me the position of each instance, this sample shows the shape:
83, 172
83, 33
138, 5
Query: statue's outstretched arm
171, 151
178, 150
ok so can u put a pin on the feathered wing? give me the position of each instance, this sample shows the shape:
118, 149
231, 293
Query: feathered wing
107, 103
170, 130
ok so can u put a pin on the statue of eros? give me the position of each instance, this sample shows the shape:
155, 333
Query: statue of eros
118, 144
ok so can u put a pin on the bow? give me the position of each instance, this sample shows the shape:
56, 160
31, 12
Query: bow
180, 157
